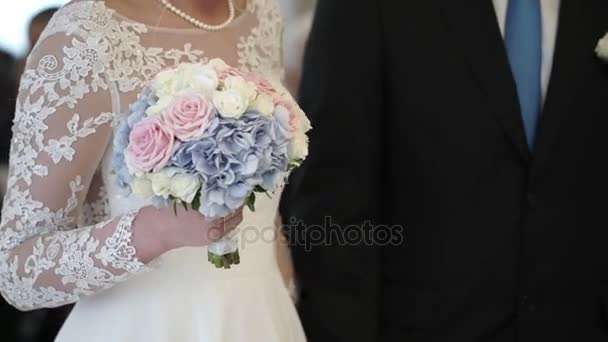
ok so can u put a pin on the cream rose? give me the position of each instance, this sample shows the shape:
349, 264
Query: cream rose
262, 104
204, 77
187, 77
247, 89
299, 146
230, 103
142, 187
161, 183
602, 48
218, 64
185, 187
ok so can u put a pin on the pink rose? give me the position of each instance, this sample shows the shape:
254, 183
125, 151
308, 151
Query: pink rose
292, 108
262, 85
230, 71
188, 116
150, 145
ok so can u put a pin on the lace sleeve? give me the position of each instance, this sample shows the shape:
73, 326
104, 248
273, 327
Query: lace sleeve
61, 130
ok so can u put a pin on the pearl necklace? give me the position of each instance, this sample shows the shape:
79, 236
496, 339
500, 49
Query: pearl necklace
197, 22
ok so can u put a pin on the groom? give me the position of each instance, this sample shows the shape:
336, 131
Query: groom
481, 128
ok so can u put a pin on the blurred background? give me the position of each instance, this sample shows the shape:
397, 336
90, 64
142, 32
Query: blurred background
20, 25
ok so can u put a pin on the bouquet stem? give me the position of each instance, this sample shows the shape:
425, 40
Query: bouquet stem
224, 253
224, 261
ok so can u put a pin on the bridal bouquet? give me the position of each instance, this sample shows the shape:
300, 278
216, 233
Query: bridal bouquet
209, 137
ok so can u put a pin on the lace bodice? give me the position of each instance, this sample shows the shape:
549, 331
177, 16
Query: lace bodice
58, 239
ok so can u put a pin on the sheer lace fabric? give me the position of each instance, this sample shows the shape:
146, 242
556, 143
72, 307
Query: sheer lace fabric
58, 239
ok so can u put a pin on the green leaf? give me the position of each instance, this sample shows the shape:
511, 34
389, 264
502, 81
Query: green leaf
250, 202
261, 190
196, 203
258, 188
294, 164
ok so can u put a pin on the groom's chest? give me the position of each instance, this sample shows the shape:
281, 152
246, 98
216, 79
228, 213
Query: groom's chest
451, 54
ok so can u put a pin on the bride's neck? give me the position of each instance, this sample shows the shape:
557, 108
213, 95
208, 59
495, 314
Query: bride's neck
209, 10
148, 11
200, 6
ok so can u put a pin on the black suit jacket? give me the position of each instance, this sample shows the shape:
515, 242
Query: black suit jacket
417, 124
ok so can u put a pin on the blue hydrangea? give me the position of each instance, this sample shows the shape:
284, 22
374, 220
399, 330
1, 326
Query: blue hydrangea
234, 157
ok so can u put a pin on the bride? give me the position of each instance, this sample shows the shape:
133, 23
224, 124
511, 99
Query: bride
68, 235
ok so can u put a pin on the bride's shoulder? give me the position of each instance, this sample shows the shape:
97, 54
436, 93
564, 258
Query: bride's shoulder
72, 15
79, 27
85, 7
83, 19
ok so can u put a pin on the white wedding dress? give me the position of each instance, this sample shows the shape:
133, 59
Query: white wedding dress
66, 236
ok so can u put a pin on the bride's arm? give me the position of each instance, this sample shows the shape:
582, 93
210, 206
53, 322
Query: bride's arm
61, 130
62, 127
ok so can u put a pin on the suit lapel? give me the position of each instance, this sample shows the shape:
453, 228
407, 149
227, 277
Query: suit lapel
574, 48
474, 26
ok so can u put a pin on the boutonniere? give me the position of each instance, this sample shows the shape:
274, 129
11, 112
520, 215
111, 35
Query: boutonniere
602, 48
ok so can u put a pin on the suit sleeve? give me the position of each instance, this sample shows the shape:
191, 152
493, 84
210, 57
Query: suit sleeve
338, 188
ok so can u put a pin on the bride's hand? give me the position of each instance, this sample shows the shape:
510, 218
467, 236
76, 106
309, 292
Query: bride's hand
188, 228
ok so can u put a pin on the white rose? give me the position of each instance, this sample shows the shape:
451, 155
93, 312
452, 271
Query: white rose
185, 187
247, 89
161, 183
165, 85
304, 124
202, 78
218, 64
230, 103
164, 80
602, 48
160, 105
262, 104
187, 77
299, 147
133, 170
142, 187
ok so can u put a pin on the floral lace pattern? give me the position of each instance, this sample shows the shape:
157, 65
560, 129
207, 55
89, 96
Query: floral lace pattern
131, 64
55, 245
255, 49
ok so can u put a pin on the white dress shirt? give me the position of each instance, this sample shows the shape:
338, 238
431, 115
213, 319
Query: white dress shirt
550, 16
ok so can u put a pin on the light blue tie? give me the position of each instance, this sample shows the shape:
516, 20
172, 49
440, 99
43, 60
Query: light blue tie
523, 39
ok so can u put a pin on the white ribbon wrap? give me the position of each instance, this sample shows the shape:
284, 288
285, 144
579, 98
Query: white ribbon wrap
223, 247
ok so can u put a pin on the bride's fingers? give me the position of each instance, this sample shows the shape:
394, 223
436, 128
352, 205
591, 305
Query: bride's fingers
224, 225
233, 221
236, 216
